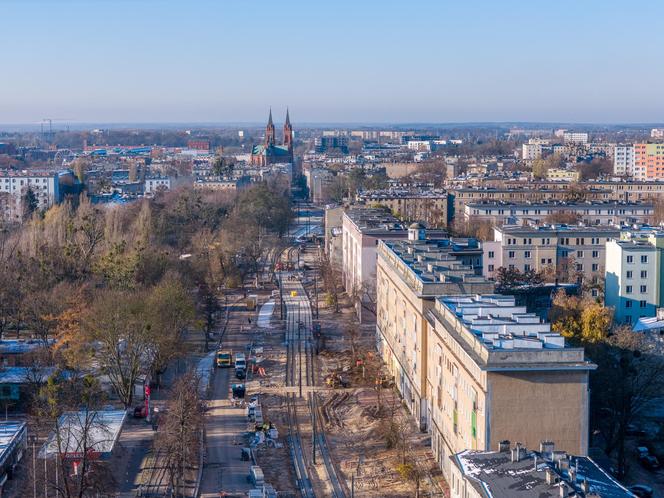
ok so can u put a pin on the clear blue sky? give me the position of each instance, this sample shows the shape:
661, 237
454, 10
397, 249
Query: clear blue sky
332, 61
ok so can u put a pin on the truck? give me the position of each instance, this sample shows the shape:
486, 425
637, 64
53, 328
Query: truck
224, 358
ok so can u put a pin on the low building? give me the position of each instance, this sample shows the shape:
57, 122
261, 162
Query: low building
13, 444
576, 138
410, 275
517, 472
420, 205
588, 213
550, 248
222, 184
495, 371
562, 175
633, 280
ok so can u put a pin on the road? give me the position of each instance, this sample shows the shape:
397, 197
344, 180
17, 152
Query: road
225, 425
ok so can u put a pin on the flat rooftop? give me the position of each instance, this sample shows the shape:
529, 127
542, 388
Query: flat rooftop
561, 204
11, 435
374, 219
402, 193
494, 475
532, 229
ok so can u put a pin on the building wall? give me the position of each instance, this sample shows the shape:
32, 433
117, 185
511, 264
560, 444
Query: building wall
533, 406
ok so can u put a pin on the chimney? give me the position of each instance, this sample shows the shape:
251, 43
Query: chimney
535, 458
550, 476
503, 446
563, 464
546, 449
518, 452
585, 487
563, 490
572, 476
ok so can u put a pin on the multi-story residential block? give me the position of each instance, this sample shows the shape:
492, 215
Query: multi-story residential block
331, 143
228, 184
562, 175
531, 151
657, 133
49, 188
517, 472
427, 205
633, 281
318, 181
548, 247
649, 161
334, 233
588, 213
496, 371
410, 275
362, 230
623, 160
153, 185
578, 138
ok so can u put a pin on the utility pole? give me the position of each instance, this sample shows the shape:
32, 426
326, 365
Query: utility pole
313, 415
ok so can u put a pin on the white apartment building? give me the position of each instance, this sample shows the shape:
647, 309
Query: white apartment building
632, 276
657, 133
573, 137
623, 160
531, 151
156, 184
45, 186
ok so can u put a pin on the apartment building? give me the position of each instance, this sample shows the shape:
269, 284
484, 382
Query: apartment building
410, 275
362, 230
576, 138
419, 205
49, 188
496, 371
657, 133
623, 160
531, 151
633, 281
318, 182
152, 185
548, 247
518, 472
649, 161
588, 213
334, 233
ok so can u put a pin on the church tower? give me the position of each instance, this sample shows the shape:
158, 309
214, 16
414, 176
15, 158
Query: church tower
288, 133
270, 138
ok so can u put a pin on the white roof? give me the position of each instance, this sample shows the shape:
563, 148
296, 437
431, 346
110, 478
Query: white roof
104, 430
10, 435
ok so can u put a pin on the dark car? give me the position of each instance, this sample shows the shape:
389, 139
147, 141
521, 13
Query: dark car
649, 462
641, 490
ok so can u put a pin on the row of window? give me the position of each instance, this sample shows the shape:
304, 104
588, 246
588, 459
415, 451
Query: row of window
643, 289
644, 258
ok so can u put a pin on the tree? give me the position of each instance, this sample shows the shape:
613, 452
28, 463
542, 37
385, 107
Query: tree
510, 278
542, 165
124, 345
181, 432
629, 378
581, 320
169, 309
29, 204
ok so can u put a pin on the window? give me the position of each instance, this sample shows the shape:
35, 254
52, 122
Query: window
642, 304
491, 267
644, 274
579, 254
595, 267
628, 274
491, 254
628, 289
595, 254
543, 261
579, 267
628, 304
643, 289
526, 254
526, 267
510, 254
630, 259
644, 259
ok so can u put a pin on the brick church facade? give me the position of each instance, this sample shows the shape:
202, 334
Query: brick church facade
271, 153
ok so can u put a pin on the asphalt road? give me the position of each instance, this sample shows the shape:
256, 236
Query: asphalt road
225, 426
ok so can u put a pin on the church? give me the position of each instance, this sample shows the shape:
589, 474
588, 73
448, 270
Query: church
269, 152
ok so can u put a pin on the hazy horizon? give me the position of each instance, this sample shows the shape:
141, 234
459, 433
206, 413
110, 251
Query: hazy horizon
169, 61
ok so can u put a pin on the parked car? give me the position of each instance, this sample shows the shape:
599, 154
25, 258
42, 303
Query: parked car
642, 451
633, 430
642, 491
649, 462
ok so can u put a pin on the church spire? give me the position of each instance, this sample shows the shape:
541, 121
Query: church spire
287, 118
269, 132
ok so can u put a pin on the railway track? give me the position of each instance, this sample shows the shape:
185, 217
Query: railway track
300, 373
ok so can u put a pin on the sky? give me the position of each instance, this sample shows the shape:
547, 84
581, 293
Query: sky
359, 61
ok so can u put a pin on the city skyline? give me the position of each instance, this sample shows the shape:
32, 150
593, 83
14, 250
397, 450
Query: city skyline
202, 62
